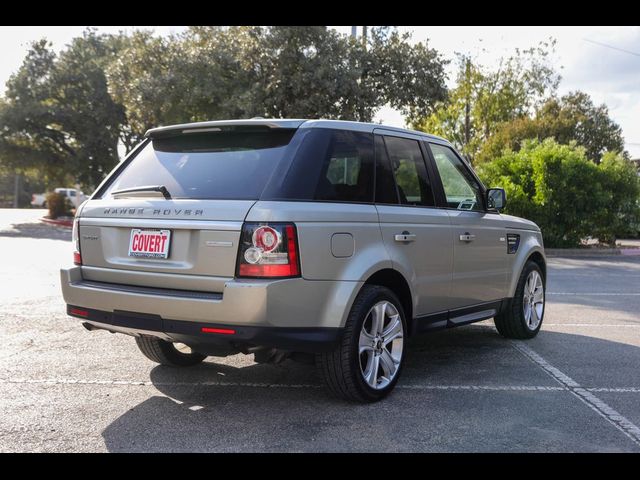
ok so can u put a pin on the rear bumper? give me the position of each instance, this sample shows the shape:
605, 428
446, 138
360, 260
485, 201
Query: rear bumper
293, 314
210, 338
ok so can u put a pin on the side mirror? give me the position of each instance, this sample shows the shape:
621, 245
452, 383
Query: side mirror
496, 198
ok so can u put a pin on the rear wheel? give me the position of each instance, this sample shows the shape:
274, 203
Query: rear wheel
167, 353
523, 316
366, 365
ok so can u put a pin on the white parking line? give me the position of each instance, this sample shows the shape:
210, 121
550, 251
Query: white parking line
616, 390
615, 325
136, 383
67, 381
597, 294
499, 388
583, 394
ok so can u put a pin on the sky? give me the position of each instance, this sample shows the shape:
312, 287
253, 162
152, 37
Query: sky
609, 74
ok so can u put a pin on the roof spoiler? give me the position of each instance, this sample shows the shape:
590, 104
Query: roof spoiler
218, 125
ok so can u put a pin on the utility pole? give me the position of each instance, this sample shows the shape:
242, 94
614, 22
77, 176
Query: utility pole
467, 106
364, 36
16, 190
354, 31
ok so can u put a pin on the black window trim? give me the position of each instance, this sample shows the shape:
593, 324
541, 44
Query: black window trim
442, 195
375, 172
382, 132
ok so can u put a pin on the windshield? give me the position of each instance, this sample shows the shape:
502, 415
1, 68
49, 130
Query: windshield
230, 164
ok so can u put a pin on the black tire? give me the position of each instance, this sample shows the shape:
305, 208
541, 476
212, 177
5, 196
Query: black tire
511, 322
165, 353
44, 204
340, 368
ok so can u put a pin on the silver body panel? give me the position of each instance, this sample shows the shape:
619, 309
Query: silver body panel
427, 261
480, 265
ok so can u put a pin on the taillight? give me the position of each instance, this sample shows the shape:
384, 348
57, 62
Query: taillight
222, 331
75, 238
268, 250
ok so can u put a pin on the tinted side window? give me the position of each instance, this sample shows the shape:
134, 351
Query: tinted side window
385, 186
409, 171
328, 165
347, 173
460, 188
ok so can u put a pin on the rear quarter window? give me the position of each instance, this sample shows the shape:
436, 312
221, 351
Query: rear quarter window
327, 165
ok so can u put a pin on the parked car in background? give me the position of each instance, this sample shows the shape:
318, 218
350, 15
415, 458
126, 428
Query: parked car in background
293, 238
75, 198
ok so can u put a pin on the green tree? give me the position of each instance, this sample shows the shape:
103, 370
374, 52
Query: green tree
210, 73
312, 72
483, 99
565, 193
58, 115
67, 113
573, 117
141, 79
620, 215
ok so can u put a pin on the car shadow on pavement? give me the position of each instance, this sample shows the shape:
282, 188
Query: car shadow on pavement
37, 230
285, 407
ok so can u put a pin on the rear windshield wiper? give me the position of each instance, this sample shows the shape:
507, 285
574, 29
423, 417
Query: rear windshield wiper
141, 191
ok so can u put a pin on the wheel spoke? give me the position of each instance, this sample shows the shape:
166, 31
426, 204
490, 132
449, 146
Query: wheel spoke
371, 371
393, 331
533, 323
388, 364
527, 313
538, 296
365, 342
377, 317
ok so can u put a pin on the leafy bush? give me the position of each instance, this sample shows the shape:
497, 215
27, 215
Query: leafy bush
621, 188
567, 195
58, 205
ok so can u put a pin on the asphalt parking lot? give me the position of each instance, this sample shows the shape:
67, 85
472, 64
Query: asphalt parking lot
576, 387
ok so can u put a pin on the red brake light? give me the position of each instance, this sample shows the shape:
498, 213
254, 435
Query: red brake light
77, 258
268, 251
223, 331
78, 312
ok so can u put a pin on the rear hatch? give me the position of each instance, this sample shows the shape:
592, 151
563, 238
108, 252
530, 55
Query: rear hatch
171, 216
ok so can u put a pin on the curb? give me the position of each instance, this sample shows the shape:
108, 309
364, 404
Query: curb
591, 252
59, 223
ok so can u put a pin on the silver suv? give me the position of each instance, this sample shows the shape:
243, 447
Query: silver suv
300, 238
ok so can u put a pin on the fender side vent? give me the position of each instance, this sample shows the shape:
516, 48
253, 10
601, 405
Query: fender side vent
513, 242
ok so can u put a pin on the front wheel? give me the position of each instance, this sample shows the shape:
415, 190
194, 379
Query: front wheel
167, 353
523, 316
366, 365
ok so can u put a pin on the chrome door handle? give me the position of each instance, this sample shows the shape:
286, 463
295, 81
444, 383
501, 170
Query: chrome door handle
467, 237
405, 237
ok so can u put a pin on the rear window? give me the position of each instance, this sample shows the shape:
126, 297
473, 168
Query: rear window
230, 164
326, 165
